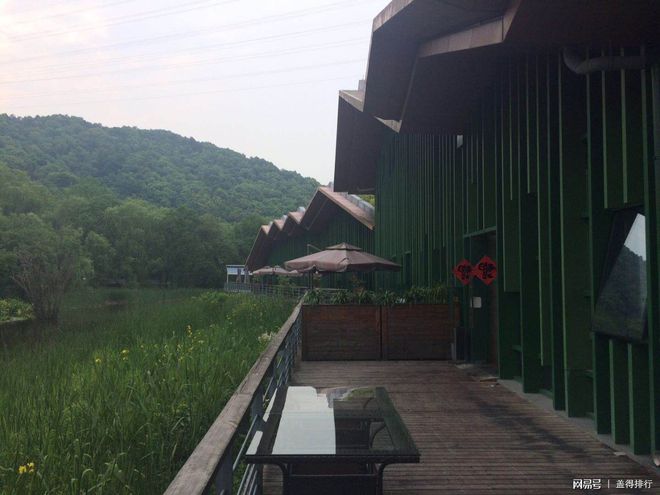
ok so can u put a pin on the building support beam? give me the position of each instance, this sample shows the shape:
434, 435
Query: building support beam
619, 391
600, 223
530, 337
575, 241
638, 401
553, 227
507, 238
652, 209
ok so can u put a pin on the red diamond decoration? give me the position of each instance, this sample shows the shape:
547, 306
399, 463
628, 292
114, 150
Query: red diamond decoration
464, 272
486, 270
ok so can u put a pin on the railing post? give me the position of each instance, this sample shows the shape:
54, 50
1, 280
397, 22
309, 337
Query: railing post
213, 465
256, 413
224, 479
291, 351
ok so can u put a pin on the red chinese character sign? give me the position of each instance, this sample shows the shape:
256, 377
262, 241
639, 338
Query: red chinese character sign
486, 270
464, 272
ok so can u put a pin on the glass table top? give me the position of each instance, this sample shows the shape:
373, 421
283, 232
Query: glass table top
344, 423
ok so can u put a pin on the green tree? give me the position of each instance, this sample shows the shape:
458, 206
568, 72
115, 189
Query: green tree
133, 228
196, 247
156, 166
43, 261
102, 256
18, 194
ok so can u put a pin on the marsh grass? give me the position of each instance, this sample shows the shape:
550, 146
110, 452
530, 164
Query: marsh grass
116, 406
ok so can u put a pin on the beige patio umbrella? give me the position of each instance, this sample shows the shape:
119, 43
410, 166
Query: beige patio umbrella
341, 258
276, 270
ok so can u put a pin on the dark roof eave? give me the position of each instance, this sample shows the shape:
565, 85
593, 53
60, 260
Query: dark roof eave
359, 140
396, 34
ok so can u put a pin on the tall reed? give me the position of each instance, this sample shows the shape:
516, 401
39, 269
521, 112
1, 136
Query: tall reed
118, 406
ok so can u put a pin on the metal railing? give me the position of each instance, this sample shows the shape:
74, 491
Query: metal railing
291, 291
216, 464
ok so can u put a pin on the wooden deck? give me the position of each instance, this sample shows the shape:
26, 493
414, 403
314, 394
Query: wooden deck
475, 436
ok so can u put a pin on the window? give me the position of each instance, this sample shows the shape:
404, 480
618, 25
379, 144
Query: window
621, 305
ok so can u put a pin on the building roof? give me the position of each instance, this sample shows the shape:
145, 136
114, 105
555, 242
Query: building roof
324, 205
430, 59
359, 139
259, 246
408, 31
396, 35
292, 221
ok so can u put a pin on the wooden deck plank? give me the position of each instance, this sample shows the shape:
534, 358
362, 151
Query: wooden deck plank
474, 437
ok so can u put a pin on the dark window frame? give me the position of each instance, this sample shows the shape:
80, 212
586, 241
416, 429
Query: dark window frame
622, 224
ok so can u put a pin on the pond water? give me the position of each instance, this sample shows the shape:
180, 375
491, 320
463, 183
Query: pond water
34, 331
89, 309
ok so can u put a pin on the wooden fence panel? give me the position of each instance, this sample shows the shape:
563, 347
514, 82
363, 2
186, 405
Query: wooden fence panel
346, 332
421, 331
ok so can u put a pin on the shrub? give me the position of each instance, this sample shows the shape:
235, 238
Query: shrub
214, 299
15, 308
118, 296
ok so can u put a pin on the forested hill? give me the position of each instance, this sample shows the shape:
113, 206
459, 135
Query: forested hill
124, 206
157, 166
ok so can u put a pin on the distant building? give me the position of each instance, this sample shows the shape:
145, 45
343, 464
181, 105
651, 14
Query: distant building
237, 273
329, 218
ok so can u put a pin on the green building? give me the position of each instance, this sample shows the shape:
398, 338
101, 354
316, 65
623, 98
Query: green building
527, 131
329, 218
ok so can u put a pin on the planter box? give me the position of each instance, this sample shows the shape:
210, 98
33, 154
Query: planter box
341, 332
351, 332
418, 331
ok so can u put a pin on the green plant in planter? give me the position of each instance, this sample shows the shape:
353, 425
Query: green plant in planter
342, 297
415, 295
387, 298
364, 297
439, 294
313, 297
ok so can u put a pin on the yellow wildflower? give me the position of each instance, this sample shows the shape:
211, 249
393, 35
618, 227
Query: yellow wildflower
98, 360
31, 467
22, 469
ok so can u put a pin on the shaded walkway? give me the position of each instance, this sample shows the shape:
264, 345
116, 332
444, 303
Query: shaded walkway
475, 437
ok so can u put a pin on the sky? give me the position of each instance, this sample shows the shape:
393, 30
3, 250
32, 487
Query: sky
257, 76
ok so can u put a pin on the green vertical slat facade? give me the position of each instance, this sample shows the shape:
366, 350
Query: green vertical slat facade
547, 160
651, 122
